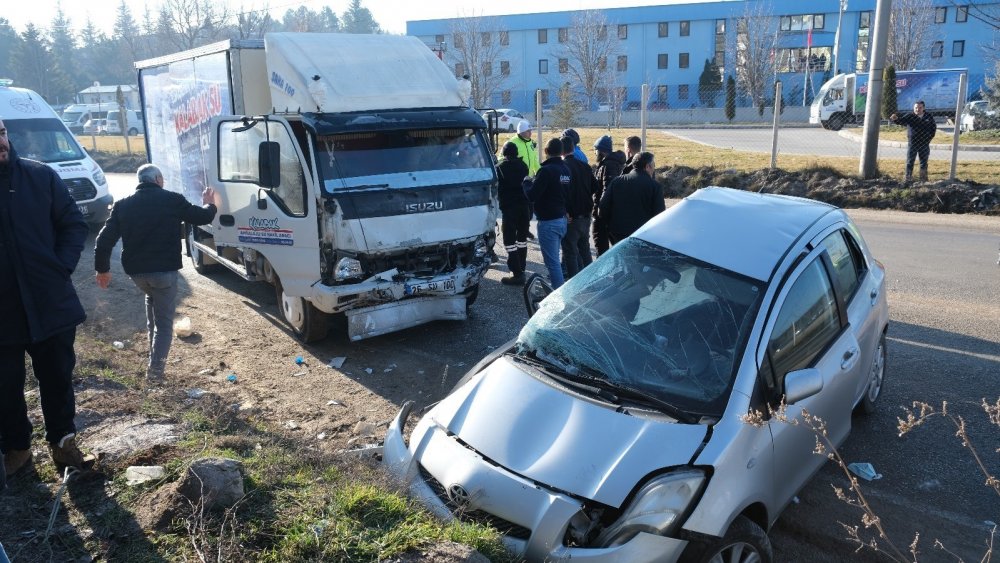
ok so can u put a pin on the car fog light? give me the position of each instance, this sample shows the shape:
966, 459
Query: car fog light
347, 268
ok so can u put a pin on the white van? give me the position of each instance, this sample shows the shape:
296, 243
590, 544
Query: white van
36, 132
75, 116
133, 122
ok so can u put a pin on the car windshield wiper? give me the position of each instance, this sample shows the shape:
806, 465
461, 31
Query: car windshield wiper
561, 374
365, 187
626, 392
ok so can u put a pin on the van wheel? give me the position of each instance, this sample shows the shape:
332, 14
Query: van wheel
202, 264
308, 323
133, 132
744, 542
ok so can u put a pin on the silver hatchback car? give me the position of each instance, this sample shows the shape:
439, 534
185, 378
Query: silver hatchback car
614, 428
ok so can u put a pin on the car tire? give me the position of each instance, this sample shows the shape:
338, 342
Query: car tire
202, 264
308, 323
876, 379
133, 132
836, 122
510, 128
744, 542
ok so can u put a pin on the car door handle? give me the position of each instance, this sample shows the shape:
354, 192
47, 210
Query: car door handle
848, 359
227, 220
874, 295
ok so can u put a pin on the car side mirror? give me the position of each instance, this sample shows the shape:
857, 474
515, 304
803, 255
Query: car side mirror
802, 384
269, 164
535, 290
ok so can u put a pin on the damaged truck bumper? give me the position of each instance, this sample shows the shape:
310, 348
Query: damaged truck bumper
533, 518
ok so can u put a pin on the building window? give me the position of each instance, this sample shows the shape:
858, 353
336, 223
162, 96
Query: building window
864, 41
439, 39
504, 38
485, 38
622, 63
622, 31
816, 59
563, 34
505, 98
661, 93
543, 66
865, 20
661, 60
662, 29
545, 97
487, 69
819, 21
720, 27
459, 69
958, 48
543, 36
961, 14
459, 41
563, 66
941, 14
685, 28
683, 60
505, 68
682, 92
603, 32
602, 63
802, 22
937, 49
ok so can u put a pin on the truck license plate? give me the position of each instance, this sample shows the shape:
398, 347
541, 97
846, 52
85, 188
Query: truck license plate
83, 209
440, 286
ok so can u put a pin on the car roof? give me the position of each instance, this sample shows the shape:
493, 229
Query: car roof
746, 232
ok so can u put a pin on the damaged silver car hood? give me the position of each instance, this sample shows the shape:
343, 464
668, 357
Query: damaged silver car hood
559, 440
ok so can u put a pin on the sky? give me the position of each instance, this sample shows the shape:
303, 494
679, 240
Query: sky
392, 15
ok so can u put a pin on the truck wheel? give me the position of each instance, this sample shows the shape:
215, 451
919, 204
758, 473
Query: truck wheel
836, 122
308, 323
825, 124
202, 264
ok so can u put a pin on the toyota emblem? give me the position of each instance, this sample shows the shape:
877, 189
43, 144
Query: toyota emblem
458, 495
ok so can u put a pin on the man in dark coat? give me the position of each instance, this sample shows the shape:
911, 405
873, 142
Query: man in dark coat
548, 193
609, 166
920, 130
633, 146
149, 224
632, 199
41, 237
579, 207
515, 213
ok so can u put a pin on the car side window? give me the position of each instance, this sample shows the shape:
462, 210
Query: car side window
845, 264
808, 320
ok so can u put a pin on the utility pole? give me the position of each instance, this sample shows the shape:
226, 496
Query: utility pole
873, 105
836, 38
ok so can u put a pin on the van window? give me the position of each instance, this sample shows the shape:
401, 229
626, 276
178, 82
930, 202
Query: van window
238, 162
45, 140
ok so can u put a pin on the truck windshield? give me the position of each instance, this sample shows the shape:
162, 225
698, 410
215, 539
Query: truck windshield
405, 158
45, 140
71, 116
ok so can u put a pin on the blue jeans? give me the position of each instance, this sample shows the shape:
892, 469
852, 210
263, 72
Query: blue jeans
550, 235
161, 303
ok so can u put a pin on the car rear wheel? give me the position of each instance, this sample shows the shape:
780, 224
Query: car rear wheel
308, 323
744, 542
876, 379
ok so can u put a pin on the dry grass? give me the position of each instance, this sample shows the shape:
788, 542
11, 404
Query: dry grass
113, 144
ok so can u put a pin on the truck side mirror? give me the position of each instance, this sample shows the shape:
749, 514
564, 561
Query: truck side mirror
269, 164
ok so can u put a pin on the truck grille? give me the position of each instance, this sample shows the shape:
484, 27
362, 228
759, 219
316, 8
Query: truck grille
503, 526
81, 188
428, 260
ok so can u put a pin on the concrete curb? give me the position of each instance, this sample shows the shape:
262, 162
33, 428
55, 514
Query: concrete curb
936, 146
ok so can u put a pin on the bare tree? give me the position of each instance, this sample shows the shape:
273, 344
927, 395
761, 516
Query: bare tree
590, 53
911, 32
190, 23
756, 41
253, 22
476, 53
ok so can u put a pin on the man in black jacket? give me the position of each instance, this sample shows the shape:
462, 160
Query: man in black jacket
515, 213
41, 237
632, 199
920, 130
548, 193
609, 166
149, 224
579, 207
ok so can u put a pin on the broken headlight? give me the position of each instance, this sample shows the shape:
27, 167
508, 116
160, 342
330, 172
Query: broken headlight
657, 507
482, 249
347, 268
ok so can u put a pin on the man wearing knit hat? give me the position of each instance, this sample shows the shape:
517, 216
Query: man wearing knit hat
577, 151
515, 213
609, 166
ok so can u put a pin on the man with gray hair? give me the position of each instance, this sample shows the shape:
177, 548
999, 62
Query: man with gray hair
149, 224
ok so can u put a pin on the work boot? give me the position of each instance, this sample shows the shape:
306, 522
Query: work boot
923, 175
513, 279
66, 454
16, 460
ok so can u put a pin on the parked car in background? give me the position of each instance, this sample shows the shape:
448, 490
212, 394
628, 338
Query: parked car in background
133, 122
507, 119
973, 114
658, 106
95, 126
629, 420
632, 105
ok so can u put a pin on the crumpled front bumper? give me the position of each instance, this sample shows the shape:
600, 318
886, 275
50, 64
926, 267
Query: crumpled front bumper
480, 487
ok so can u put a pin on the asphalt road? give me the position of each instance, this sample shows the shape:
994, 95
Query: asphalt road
944, 345
813, 141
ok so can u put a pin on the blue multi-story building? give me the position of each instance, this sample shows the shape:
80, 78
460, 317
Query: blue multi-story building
667, 46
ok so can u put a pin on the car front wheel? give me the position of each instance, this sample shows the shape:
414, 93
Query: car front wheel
744, 542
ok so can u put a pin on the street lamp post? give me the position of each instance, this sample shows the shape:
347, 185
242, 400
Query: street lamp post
836, 38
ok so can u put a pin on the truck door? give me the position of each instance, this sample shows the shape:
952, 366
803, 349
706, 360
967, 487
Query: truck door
279, 223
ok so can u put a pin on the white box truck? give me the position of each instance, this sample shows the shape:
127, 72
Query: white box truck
841, 100
37, 132
348, 171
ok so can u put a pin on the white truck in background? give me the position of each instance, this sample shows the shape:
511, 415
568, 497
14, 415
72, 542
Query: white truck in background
36, 132
348, 174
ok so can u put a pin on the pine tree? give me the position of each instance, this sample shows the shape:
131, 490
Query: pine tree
63, 72
30, 61
9, 41
357, 19
890, 102
709, 84
730, 98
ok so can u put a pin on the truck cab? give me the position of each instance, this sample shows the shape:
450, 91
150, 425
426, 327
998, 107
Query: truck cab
833, 106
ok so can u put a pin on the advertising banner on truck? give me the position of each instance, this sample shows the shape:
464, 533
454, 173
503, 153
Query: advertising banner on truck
937, 88
181, 99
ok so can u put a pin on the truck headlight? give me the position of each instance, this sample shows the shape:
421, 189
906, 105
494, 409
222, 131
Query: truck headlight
481, 248
657, 508
347, 268
99, 178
